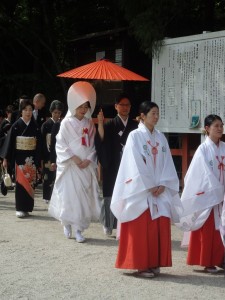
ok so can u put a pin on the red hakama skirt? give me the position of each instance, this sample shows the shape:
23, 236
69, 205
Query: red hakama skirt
205, 246
145, 243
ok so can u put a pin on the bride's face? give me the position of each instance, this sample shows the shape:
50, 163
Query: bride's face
81, 111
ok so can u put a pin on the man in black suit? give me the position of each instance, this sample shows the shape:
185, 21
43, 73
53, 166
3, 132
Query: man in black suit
110, 140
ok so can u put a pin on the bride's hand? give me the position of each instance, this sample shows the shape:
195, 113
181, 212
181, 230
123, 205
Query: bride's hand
84, 164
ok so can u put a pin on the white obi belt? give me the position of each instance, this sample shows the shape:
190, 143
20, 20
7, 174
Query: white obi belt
25, 143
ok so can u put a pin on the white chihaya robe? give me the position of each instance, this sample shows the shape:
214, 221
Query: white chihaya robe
222, 225
75, 197
140, 171
204, 186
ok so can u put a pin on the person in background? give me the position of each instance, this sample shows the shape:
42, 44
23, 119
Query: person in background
4, 128
16, 114
2, 134
145, 198
203, 198
23, 149
55, 130
75, 199
56, 109
6, 123
1, 116
39, 112
109, 142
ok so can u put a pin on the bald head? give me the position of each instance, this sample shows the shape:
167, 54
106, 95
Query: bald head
39, 101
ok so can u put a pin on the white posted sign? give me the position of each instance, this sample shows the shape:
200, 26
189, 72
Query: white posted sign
188, 81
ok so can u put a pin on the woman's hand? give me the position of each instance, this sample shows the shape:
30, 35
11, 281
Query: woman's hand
5, 163
53, 166
77, 160
39, 174
84, 164
158, 190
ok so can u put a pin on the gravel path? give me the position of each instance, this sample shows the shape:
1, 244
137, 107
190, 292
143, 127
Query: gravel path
38, 262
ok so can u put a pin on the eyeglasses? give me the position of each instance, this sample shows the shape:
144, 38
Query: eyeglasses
124, 105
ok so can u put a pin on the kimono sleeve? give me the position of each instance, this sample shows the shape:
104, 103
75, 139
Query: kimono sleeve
201, 187
168, 176
43, 136
63, 150
133, 182
8, 149
55, 130
38, 154
92, 132
104, 147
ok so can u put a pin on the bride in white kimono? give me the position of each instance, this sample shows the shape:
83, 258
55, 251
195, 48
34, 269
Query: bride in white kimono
75, 200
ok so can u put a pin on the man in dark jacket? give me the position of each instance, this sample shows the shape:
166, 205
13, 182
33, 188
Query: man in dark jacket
109, 141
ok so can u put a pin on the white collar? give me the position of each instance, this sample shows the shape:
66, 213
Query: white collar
25, 122
124, 122
210, 142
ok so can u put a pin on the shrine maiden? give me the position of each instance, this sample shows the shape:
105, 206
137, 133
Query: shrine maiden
145, 198
203, 198
75, 200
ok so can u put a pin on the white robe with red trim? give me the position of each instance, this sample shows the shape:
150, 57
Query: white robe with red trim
75, 197
204, 186
146, 163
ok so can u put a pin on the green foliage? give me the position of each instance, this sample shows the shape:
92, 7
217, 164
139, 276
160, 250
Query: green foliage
35, 35
152, 20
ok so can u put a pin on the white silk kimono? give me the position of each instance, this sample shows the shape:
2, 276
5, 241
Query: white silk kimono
204, 186
146, 163
75, 197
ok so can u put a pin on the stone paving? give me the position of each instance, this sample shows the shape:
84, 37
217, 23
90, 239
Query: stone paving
38, 262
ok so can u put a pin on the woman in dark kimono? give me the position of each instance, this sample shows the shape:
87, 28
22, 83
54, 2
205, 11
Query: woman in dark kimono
22, 149
49, 171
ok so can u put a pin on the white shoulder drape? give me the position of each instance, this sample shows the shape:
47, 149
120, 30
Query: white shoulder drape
203, 187
138, 173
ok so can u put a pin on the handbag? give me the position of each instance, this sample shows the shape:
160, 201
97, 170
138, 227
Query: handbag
7, 180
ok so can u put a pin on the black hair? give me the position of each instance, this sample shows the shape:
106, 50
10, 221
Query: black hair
210, 119
146, 106
88, 103
120, 97
24, 103
9, 109
56, 104
24, 97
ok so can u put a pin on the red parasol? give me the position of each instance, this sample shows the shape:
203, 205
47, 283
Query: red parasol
102, 69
